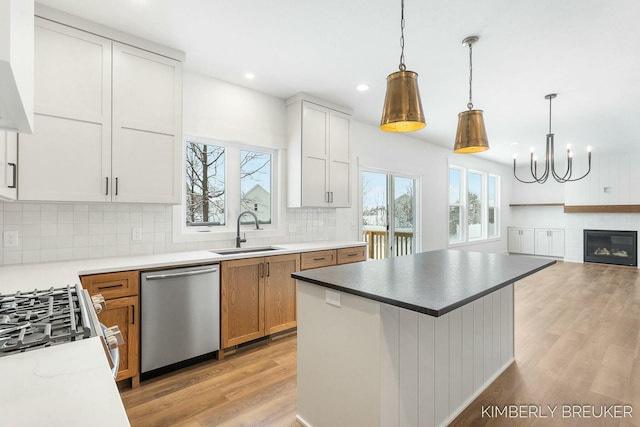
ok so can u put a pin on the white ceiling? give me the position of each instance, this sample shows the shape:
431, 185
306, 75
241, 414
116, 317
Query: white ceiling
584, 50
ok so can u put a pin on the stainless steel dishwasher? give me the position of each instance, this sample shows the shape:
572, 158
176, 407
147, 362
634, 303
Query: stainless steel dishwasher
180, 315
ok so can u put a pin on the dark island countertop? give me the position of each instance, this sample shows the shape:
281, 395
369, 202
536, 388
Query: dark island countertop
432, 283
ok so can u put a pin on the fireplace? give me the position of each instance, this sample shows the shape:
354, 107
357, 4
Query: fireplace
611, 247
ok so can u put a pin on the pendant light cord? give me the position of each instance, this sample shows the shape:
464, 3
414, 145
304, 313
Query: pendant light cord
470, 104
402, 66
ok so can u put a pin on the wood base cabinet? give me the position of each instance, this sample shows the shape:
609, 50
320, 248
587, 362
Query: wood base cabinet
258, 297
121, 293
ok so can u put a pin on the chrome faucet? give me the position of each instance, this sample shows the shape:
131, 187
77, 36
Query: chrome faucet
238, 239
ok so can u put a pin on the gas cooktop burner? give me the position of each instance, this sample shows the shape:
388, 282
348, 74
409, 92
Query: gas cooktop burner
41, 318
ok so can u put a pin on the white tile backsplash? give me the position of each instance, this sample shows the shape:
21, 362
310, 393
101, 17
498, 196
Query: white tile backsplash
64, 231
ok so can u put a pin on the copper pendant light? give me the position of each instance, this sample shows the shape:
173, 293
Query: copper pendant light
402, 110
471, 136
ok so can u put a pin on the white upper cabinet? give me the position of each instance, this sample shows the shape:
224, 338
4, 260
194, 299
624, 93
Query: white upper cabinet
8, 165
16, 65
319, 155
108, 121
68, 157
147, 123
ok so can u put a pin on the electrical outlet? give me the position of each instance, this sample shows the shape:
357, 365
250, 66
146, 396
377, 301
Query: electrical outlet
10, 239
136, 233
332, 298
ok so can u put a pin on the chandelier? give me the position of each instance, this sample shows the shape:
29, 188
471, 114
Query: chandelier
549, 160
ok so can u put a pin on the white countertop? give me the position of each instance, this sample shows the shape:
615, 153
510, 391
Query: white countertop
71, 384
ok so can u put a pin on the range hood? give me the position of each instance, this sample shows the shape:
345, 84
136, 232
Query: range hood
16, 65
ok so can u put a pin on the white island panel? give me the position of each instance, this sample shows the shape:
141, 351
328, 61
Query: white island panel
368, 363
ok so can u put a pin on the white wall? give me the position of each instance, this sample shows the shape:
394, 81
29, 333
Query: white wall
219, 110
616, 172
373, 148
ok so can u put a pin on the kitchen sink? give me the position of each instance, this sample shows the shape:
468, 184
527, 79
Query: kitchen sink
235, 251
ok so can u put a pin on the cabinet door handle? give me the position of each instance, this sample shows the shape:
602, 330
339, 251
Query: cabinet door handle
116, 186
331, 197
351, 255
106, 191
261, 269
119, 285
133, 314
14, 175
268, 269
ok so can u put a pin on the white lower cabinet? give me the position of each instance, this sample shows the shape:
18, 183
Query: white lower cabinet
536, 241
521, 240
550, 242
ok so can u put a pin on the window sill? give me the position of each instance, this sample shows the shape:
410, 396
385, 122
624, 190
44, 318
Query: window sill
474, 242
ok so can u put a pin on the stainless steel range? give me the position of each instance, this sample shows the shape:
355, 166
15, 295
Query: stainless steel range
43, 318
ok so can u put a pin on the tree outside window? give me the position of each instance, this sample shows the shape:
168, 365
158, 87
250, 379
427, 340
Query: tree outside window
205, 186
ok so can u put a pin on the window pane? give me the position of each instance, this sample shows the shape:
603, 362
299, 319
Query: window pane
205, 187
474, 203
404, 205
255, 185
374, 213
454, 186
455, 231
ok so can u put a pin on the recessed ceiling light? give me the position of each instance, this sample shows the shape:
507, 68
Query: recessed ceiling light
362, 87
514, 143
249, 76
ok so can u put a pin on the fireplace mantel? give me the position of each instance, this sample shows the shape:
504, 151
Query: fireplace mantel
602, 209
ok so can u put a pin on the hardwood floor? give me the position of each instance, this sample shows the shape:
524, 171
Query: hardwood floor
576, 343
577, 330
254, 387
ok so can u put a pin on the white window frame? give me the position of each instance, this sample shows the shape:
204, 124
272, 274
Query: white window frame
417, 241
184, 233
464, 206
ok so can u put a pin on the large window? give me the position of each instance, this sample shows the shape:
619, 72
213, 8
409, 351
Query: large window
473, 205
222, 180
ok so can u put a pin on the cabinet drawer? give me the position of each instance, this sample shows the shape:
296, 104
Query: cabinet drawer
317, 259
347, 255
113, 285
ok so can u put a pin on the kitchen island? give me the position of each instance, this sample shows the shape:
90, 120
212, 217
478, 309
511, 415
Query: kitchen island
404, 341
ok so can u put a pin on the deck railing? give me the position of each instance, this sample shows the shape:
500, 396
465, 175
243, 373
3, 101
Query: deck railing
378, 247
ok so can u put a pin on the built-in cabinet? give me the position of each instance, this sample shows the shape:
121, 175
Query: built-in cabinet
549, 242
536, 241
258, 297
319, 154
107, 121
122, 308
8, 165
521, 240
